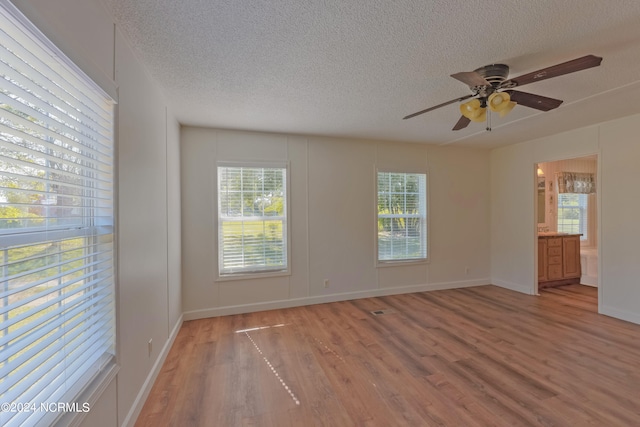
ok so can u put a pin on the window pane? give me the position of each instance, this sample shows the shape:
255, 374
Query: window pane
252, 219
397, 182
413, 184
412, 203
401, 216
572, 214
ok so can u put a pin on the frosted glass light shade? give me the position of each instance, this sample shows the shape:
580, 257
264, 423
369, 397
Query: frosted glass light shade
472, 109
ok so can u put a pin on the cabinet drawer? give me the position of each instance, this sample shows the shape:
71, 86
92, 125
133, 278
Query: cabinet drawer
555, 272
554, 242
555, 251
555, 260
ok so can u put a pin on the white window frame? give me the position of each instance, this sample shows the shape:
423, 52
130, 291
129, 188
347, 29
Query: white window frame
86, 381
425, 221
249, 273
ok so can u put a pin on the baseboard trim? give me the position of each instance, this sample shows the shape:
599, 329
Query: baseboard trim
589, 280
141, 398
518, 287
620, 314
321, 299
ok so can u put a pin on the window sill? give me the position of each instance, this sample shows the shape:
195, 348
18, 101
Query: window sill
250, 276
400, 263
90, 395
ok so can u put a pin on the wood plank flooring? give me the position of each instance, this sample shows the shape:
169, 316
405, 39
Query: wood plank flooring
482, 356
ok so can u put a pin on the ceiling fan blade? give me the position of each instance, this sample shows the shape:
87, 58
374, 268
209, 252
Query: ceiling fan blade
578, 64
471, 78
437, 106
531, 100
462, 123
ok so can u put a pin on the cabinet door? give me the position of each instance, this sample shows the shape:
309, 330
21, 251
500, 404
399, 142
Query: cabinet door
571, 257
542, 260
555, 272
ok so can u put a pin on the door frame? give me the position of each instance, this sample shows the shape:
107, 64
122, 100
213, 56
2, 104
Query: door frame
597, 154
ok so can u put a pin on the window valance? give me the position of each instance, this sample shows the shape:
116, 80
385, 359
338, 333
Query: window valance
576, 182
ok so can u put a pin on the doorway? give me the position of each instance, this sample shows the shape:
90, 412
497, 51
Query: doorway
567, 225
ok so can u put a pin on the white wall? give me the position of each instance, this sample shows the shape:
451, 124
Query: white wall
512, 224
148, 223
620, 229
333, 221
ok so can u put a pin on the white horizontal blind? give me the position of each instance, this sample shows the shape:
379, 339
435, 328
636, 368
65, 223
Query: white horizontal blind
402, 216
252, 219
573, 214
57, 325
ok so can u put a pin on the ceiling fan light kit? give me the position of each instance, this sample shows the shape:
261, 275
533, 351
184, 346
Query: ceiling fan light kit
500, 102
476, 109
491, 87
473, 110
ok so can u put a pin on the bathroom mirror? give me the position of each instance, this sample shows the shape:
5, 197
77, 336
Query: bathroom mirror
541, 200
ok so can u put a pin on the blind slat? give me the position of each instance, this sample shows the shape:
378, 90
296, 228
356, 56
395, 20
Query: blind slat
61, 186
86, 246
49, 290
27, 237
61, 130
16, 370
34, 139
53, 337
20, 335
32, 54
47, 100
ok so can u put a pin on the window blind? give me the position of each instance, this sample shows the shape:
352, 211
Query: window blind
402, 216
252, 219
56, 225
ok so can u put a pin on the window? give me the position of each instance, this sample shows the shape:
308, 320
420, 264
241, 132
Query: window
572, 214
402, 216
252, 219
57, 324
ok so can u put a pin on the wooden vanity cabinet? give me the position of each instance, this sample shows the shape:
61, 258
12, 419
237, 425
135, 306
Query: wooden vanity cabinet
542, 260
558, 260
571, 257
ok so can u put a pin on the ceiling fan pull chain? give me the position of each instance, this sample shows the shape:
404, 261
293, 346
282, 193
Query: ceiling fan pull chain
488, 121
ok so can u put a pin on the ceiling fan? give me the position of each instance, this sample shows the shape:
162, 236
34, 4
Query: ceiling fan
491, 88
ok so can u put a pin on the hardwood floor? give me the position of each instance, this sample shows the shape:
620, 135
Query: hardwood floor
481, 356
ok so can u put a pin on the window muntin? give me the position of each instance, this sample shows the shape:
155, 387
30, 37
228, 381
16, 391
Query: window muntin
57, 312
402, 216
252, 219
573, 214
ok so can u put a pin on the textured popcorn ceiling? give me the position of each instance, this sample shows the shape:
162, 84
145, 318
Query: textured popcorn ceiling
354, 68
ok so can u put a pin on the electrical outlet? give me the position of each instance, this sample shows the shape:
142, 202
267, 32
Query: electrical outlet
326, 283
150, 346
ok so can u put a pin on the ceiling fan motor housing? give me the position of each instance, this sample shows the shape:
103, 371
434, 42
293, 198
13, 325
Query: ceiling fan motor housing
494, 73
